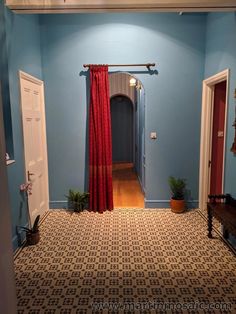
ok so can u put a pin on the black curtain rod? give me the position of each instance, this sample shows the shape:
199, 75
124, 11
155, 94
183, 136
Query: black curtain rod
147, 65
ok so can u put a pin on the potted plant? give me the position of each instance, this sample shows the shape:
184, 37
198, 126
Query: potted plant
77, 200
32, 234
177, 187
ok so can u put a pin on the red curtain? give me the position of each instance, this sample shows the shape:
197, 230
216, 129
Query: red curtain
100, 143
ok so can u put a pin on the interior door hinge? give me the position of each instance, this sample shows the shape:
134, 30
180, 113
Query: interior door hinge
209, 163
29, 174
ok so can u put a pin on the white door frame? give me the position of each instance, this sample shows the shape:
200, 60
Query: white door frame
30, 78
206, 133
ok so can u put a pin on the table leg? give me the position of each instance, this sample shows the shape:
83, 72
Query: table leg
225, 233
209, 214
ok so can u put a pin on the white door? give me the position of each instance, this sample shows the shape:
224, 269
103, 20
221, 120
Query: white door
35, 146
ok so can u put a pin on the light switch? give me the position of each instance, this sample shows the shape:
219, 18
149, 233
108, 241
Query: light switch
153, 135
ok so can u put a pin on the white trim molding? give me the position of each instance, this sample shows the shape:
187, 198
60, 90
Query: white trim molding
30, 78
206, 133
83, 6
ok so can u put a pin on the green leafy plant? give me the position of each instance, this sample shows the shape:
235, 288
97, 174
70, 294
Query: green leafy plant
177, 187
35, 227
77, 200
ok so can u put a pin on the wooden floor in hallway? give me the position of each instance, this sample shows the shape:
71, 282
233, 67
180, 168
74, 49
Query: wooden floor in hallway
126, 187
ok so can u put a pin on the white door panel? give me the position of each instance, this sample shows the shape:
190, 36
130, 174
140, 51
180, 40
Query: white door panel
34, 132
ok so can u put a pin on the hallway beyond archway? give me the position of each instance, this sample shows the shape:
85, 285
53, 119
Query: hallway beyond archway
126, 187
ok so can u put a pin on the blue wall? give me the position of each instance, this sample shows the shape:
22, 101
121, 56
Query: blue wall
176, 43
4, 81
23, 48
220, 55
183, 48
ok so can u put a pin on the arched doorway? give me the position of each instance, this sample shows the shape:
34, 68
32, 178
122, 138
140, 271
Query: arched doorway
127, 117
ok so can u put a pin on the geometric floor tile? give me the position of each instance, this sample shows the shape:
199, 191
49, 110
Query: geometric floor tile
126, 261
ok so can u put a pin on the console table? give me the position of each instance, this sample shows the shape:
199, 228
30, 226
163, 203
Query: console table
223, 208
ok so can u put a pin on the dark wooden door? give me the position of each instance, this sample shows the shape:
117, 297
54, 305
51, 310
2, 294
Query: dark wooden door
218, 136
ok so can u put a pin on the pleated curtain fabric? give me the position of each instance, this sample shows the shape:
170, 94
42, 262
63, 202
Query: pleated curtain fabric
100, 141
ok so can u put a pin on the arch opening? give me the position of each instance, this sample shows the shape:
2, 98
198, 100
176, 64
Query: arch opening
128, 146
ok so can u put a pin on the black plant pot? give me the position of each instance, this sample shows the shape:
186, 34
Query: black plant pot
32, 238
77, 207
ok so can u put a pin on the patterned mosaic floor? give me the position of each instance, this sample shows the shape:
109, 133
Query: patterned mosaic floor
126, 261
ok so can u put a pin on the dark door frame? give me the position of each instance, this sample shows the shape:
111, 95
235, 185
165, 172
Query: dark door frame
206, 133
